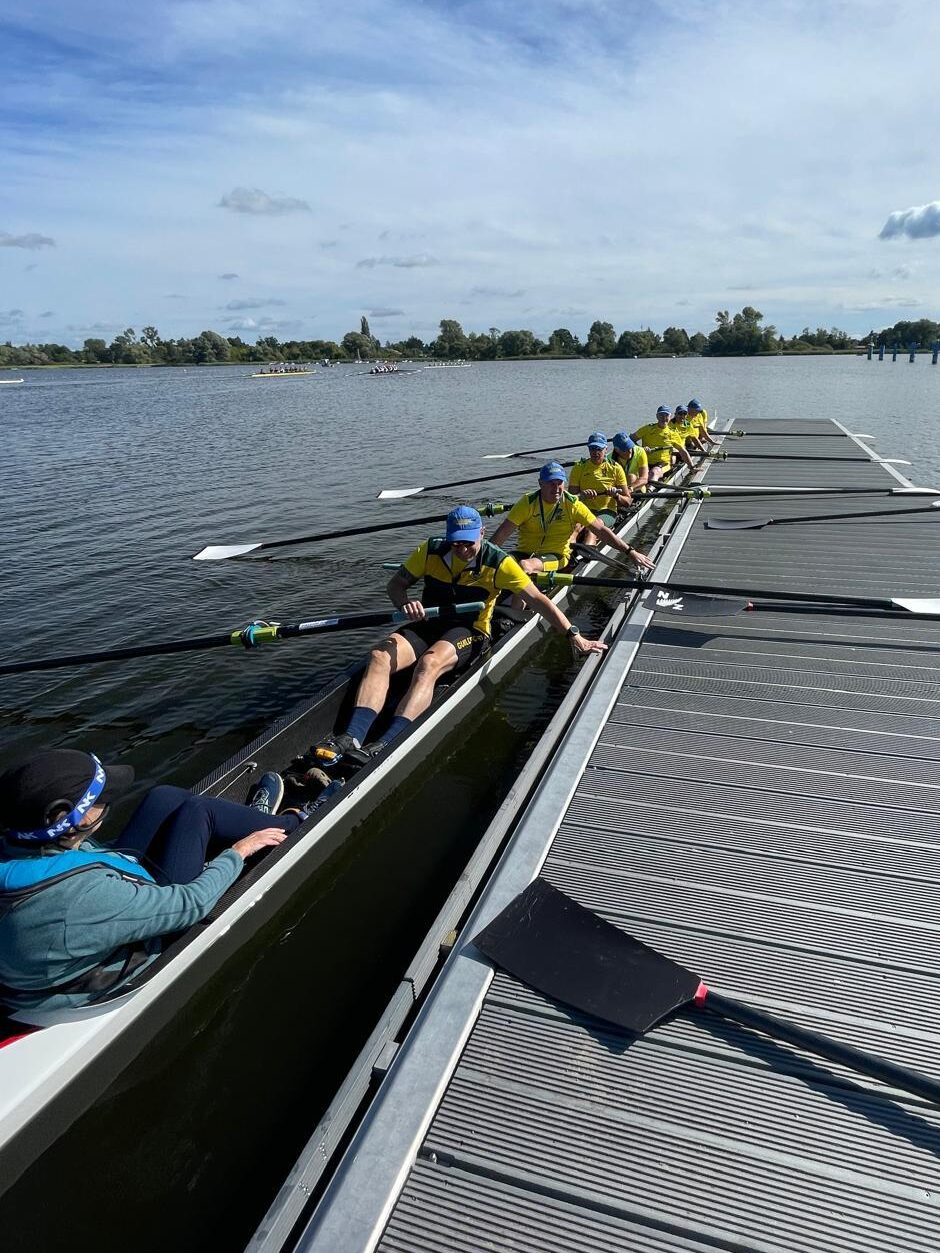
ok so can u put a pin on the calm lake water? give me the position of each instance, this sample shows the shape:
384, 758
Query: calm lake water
118, 477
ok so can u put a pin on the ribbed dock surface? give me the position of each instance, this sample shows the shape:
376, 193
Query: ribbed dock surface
762, 805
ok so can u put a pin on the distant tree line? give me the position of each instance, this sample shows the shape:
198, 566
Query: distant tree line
741, 334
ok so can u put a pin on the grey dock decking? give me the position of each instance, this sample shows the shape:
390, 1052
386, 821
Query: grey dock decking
758, 796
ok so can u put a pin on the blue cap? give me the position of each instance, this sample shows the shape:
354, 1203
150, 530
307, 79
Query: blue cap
464, 523
597, 439
693, 404
663, 411
552, 472
623, 442
681, 411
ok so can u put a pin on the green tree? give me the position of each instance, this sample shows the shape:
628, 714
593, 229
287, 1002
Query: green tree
355, 342
601, 340
676, 340
451, 342
741, 335
563, 341
697, 342
95, 352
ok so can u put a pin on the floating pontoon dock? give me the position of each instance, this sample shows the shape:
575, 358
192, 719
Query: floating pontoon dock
756, 796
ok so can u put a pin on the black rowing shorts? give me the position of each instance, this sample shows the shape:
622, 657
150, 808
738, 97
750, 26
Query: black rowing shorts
469, 644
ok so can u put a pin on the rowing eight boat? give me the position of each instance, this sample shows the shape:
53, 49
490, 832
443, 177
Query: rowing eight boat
51, 1075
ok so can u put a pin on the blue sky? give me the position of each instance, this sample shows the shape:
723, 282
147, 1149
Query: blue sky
286, 167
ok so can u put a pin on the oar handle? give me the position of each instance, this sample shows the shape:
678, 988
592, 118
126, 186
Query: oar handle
353, 621
823, 1046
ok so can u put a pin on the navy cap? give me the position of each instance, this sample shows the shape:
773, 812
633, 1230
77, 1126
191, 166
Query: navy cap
34, 793
464, 523
693, 404
597, 439
681, 411
663, 411
623, 442
553, 472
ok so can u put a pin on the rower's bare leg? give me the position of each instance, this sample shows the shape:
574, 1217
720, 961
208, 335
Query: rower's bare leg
386, 659
656, 473
439, 659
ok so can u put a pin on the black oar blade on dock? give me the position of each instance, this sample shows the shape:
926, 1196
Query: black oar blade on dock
689, 605
553, 944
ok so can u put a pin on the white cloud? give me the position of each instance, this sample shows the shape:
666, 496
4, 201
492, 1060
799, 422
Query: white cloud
386, 313
922, 222
31, 241
252, 303
254, 200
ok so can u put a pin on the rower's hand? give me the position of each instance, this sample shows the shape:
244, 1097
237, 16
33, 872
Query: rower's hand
413, 610
640, 560
588, 493
258, 840
582, 646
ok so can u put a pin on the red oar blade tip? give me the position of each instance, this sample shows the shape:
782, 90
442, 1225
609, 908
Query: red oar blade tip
550, 942
221, 552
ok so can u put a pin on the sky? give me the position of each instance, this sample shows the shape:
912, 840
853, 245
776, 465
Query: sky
285, 168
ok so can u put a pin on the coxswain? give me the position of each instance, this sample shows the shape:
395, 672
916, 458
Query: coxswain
547, 518
632, 457
661, 443
459, 568
79, 918
698, 417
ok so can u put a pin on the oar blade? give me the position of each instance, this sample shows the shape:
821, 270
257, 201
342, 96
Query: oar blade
915, 605
736, 524
499, 456
553, 944
399, 493
688, 605
221, 552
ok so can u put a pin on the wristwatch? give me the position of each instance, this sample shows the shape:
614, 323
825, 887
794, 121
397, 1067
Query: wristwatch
573, 631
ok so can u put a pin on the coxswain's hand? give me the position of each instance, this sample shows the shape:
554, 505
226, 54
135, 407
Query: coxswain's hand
258, 840
413, 610
582, 646
640, 560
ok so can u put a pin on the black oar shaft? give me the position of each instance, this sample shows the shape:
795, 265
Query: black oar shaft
120, 654
551, 578
488, 511
852, 517
783, 456
823, 1046
488, 478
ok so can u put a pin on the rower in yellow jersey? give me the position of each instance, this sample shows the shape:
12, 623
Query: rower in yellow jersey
698, 417
634, 461
661, 443
600, 483
682, 425
546, 520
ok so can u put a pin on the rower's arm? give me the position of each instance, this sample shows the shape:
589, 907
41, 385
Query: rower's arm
397, 588
548, 610
503, 532
610, 537
681, 452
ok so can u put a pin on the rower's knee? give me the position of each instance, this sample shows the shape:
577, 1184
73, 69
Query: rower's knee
430, 666
380, 659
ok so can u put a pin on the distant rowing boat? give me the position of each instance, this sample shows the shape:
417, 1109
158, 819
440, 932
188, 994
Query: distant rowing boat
12, 380
282, 374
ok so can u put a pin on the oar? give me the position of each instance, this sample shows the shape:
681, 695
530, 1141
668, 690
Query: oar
782, 456
915, 606
721, 489
552, 943
755, 524
399, 493
797, 435
251, 636
531, 452
220, 552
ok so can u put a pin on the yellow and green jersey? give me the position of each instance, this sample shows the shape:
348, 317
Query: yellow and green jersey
548, 528
699, 423
659, 441
635, 463
450, 581
603, 479
684, 428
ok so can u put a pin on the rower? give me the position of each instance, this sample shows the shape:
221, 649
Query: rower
681, 424
661, 443
546, 520
459, 568
698, 417
632, 457
601, 483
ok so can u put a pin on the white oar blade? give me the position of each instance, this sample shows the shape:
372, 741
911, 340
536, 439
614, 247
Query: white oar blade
498, 456
858, 435
915, 491
220, 552
890, 461
916, 606
398, 493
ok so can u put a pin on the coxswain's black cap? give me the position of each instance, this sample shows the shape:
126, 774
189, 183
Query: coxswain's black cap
36, 790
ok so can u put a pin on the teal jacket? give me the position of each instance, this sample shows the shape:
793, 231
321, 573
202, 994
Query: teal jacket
75, 924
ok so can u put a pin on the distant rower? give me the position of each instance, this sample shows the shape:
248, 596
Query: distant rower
661, 442
632, 458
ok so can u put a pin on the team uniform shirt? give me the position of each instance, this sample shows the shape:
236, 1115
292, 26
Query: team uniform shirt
548, 528
637, 463
684, 429
659, 441
450, 581
700, 423
603, 479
